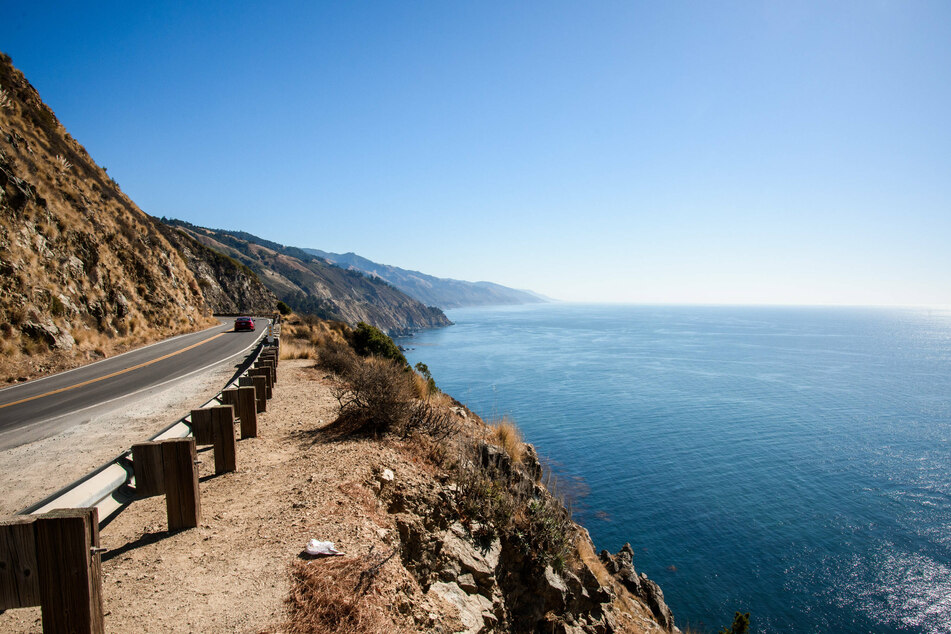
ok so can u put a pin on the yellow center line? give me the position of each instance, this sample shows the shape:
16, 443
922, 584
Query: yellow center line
109, 376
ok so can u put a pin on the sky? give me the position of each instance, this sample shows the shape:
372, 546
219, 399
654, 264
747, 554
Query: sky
758, 152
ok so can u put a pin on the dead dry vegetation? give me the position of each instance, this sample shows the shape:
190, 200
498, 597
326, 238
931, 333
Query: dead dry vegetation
83, 272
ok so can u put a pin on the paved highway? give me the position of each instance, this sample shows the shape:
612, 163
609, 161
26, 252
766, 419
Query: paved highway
68, 393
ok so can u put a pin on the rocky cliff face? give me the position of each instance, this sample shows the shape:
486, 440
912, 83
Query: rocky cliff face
226, 285
83, 271
495, 584
309, 284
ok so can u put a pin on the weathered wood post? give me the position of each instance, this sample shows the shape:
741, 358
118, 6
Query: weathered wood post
259, 384
266, 373
19, 582
181, 483
242, 400
222, 424
270, 366
149, 468
201, 427
69, 570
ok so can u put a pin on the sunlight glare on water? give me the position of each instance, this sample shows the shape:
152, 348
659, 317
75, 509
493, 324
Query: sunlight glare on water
792, 462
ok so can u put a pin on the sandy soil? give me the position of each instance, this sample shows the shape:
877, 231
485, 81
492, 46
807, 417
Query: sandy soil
231, 573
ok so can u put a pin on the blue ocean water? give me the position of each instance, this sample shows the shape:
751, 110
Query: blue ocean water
790, 462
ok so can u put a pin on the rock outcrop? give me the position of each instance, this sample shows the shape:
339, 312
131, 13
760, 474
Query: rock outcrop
227, 286
491, 581
621, 566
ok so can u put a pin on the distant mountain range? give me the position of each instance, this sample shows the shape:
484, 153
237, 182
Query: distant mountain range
433, 291
310, 284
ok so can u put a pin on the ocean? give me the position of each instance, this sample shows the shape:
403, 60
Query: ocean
790, 462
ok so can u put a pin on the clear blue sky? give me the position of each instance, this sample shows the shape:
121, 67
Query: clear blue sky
699, 152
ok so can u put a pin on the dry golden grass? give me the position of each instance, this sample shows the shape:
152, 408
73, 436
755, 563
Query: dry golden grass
296, 349
421, 387
81, 212
317, 332
506, 435
339, 595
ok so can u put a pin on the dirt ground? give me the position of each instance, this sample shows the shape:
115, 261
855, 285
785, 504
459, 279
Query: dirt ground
231, 573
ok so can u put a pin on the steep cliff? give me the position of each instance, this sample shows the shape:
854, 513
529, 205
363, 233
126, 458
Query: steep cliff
83, 271
466, 508
309, 284
227, 285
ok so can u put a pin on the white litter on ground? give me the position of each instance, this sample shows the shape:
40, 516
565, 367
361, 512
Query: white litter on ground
316, 548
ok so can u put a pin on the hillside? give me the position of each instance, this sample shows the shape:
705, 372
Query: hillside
227, 285
445, 293
84, 272
310, 284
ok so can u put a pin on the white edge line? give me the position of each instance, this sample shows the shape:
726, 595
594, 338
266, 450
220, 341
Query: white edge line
89, 365
145, 389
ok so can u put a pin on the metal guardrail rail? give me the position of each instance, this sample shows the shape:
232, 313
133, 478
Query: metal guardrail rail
109, 488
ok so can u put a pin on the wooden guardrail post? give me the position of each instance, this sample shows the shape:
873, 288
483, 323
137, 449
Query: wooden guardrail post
19, 582
69, 570
270, 366
149, 466
222, 424
259, 383
215, 426
181, 483
242, 400
201, 427
266, 373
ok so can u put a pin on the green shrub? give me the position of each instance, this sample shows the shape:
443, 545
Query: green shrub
283, 308
57, 308
543, 533
741, 624
484, 500
369, 341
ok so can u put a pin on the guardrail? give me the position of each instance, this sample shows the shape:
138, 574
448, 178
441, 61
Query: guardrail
49, 552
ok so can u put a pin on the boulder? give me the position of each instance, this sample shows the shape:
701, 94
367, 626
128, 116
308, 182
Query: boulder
494, 458
553, 591
532, 464
480, 563
622, 567
467, 582
474, 609
49, 333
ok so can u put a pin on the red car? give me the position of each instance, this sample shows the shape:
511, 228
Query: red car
243, 323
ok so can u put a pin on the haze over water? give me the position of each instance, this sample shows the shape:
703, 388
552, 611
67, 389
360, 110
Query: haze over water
793, 462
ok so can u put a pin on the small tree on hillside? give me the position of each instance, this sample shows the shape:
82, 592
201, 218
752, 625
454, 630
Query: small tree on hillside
741, 624
369, 341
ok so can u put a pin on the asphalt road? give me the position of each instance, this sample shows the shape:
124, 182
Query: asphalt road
64, 395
